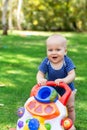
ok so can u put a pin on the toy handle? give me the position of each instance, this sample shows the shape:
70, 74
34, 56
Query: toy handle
64, 98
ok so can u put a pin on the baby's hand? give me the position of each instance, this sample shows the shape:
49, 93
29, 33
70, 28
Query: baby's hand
57, 81
42, 81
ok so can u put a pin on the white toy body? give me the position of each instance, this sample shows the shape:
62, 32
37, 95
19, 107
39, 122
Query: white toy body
40, 114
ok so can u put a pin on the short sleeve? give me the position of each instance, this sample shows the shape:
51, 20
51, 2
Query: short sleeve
43, 66
69, 64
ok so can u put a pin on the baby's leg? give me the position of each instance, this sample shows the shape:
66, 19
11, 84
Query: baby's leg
12, 129
72, 128
71, 108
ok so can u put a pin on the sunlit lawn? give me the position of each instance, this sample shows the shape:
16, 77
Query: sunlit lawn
20, 56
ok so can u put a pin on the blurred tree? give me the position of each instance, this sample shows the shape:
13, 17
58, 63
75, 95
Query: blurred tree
4, 17
10, 22
0, 14
79, 15
54, 15
48, 15
18, 14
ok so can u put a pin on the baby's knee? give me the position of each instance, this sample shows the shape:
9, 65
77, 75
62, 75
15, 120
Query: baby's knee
71, 108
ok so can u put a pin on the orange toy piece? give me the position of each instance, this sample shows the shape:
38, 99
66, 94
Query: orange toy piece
47, 111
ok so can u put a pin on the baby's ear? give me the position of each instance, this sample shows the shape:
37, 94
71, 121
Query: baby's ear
65, 51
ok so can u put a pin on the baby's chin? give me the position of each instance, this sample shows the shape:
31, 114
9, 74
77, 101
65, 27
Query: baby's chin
56, 60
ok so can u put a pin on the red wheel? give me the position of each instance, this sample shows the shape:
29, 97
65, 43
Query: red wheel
66, 123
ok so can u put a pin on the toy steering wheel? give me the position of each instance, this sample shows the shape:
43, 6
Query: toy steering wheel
63, 99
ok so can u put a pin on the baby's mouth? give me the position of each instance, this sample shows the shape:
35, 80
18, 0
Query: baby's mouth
54, 57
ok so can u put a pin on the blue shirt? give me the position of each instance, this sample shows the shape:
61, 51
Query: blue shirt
53, 74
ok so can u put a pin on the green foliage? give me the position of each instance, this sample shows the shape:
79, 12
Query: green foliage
55, 15
20, 56
49, 15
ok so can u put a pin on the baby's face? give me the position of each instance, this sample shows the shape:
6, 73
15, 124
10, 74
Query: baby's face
56, 49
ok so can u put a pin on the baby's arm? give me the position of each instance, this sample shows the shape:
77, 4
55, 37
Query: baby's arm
68, 79
41, 78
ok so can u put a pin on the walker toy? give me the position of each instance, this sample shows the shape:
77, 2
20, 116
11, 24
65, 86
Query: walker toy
45, 109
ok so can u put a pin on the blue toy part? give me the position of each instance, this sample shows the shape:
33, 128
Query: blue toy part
33, 124
46, 94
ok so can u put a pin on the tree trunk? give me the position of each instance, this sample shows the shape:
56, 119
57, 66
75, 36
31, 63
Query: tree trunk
4, 18
66, 17
18, 14
10, 24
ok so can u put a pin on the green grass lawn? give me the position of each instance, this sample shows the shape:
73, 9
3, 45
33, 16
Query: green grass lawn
20, 56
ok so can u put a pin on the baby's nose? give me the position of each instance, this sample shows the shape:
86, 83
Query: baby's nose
54, 52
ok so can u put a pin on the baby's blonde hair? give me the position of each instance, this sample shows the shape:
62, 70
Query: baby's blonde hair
57, 37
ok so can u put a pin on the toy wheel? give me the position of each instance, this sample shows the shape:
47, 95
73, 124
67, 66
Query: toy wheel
66, 123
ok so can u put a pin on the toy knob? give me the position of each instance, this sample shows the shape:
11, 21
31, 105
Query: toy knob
20, 124
21, 111
33, 124
67, 123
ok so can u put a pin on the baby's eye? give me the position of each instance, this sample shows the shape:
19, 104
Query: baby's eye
50, 50
58, 49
